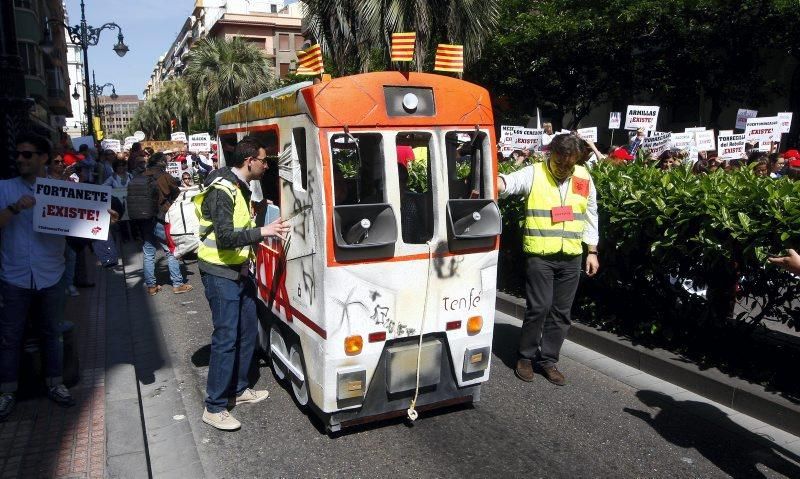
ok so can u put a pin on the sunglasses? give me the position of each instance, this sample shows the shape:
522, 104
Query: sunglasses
58, 162
27, 154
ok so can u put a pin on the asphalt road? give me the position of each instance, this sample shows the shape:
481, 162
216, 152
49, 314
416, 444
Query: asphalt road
593, 427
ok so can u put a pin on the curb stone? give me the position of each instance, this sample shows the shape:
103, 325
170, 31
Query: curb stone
745, 397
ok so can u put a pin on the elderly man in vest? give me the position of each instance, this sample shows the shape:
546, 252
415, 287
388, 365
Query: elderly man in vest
228, 233
561, 213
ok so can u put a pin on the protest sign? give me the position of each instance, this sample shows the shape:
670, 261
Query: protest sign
762, 130
71, 209
731, 146
588, 134
178, 136
725, 132
506, 140
139, 135
785, 121
163, 145
200, 142
564, 132
656, 143
614, 120
129, 141
529, 138
83, 140
682, 141
121, 194
704, 140
694, 129
639, 116
742, 116
174, 169
111, 144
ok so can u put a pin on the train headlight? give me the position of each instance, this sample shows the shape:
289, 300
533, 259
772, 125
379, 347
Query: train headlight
410, 102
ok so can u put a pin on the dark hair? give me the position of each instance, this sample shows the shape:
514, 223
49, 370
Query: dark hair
155, 159
41, 143
83, 147
119, 163
149, 150
756, 157
700, 167
773, 159
567, 145
247, 148
136, 147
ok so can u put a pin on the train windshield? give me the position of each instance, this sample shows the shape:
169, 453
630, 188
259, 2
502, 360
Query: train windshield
358, 169
465, 164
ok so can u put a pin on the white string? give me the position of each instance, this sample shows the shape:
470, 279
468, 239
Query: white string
412, 412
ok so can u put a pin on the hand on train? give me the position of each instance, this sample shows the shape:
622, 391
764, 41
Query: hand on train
277, 228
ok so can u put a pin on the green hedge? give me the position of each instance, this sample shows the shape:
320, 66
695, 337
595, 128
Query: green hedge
715, 230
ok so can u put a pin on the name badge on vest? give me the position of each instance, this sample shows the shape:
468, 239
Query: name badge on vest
560, 214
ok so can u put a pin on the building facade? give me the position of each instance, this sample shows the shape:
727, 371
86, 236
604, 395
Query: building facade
76, 125
272, 26
115, 114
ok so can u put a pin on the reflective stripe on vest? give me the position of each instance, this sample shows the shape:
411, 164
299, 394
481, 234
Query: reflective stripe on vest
208, 250
543, 237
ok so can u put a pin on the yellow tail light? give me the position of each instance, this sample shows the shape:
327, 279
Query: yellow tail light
474, 325
353, 345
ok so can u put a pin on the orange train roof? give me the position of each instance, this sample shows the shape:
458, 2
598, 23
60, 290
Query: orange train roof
358, 101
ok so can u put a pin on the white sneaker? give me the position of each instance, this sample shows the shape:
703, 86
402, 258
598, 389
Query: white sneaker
73, 291
249, 396
221, 420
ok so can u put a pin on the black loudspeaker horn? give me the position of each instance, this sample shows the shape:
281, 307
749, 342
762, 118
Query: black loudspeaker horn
471, 219
364, 226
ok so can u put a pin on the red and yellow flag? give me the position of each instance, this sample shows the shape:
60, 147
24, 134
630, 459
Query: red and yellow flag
403, 46
309, 61
449, 58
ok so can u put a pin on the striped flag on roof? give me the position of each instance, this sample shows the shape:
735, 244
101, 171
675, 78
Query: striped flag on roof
309, 61
403, 46
449, 58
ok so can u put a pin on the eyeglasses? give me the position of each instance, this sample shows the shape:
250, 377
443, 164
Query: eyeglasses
26, 154
262, 160
58, 162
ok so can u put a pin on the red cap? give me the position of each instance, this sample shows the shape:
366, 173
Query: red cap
405, 155
791, 154
622, 154
794, 163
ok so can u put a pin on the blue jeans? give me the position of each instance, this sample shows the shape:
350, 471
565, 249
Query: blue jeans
233, 313
14, 314
154, 238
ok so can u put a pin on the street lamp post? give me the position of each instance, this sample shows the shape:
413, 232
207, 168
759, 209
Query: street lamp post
84, 35
97, 91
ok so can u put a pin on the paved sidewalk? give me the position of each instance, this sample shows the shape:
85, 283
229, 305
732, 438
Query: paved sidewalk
43, 440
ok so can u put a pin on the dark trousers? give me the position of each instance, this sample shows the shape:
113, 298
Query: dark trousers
550, 286
233, 312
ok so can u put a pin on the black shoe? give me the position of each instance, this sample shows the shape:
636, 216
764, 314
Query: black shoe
60, 395
85, 285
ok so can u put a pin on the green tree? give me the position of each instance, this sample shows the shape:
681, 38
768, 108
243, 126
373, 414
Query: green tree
356, 34
220, 73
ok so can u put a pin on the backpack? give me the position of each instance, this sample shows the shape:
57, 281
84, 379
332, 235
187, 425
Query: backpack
143, 197
183, 227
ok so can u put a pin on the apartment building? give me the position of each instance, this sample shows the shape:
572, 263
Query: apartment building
115, 114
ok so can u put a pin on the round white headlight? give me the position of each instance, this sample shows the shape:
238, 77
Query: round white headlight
410, 102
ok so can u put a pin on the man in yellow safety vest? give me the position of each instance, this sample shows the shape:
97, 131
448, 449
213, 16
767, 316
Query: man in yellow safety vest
227, 233
561, 214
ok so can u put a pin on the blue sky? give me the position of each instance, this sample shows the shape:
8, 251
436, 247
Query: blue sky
149, 27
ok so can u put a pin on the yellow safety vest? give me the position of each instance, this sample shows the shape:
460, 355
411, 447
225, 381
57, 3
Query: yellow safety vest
542, 236
208, 250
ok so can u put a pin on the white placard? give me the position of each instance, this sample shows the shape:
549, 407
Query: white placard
741, 117
83, 140
725, 132
682, 141
564, 132
704, 140
656, 143
111, 144
506, 139
764, 129
785, 121
139, 135
731, 146
694, 129
529, 138
199, 143
614, 120
71, 209
588, 134
129, 141
639, 116
174, 169
121, 194
178, 136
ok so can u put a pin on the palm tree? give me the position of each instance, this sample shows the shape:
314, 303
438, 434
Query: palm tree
351, 31
220, 73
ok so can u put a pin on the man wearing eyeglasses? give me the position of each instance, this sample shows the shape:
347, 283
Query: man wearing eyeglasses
227, 236
32, 273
